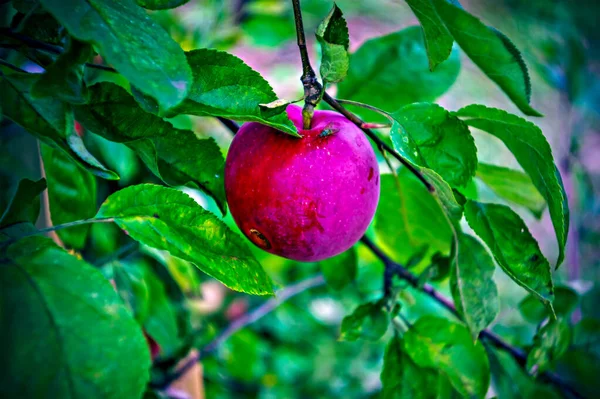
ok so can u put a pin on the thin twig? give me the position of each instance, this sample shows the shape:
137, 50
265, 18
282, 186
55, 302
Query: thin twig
373, 136
312, 88
267, 307
229, 124
519, 355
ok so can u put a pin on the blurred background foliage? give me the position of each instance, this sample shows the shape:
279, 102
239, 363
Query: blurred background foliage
294, 352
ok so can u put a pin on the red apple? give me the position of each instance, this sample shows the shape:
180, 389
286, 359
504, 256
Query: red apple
305, 199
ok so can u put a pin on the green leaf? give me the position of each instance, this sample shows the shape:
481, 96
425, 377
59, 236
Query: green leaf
401, 378
439, 344
130, 283
160, 4
474, 291
529, 146
177, 156
340, 270
165, 218
48, 119
438, 40
368, 321
442, 141
391, 71
71, 195
511, 381
513, 186
565, 301
450, 200
69, 333
225, 86
332, 34
25, 203
64, 78
129, 39
513, 247
408, 218
549, 344
491, 51
42, 26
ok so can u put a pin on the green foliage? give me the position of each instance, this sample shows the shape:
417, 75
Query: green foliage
513, 186
408, 219
473, 290
513, 247
64, 78
438, 344
402, 378
160, 4
48, 119
340, 270
392, 71
490, 49
332, 34
168, 219
437, 140
565, 301
159, 145
220, 77
24, 205
549, 344
50, 302
368, 321
71, 195
529, 146
130, 41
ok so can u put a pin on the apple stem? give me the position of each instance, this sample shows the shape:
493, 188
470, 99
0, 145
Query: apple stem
312, 88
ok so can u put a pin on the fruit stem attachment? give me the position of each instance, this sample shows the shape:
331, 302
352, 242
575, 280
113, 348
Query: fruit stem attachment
312, 88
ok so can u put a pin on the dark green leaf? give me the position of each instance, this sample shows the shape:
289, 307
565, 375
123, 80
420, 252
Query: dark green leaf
438, 270
64, 78
473, 289
511, 381
549, 344
401, 378
132, 288
513, 186
368, 321
225, 86
165, 218
529, 146
332, 34
438, 40
340, 270
493, 52
25, 203
565, 301
71, 195
70, 335
40, 26
132, 42
513, 247
160, 4
408, 218
177, 156
391, 71
442, 141
439, 344
48, 119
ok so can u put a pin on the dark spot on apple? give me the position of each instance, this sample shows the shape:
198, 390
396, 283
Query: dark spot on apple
259, 239
362, 190
371, 172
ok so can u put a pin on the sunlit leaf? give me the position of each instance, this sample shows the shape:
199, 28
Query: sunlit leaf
368, 321
165, 218
332, 34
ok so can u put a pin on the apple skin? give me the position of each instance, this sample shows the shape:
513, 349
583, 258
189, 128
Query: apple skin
305, 199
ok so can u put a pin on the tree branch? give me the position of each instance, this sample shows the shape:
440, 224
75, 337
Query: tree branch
251, 317
382, 144
312, 88
519, 355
